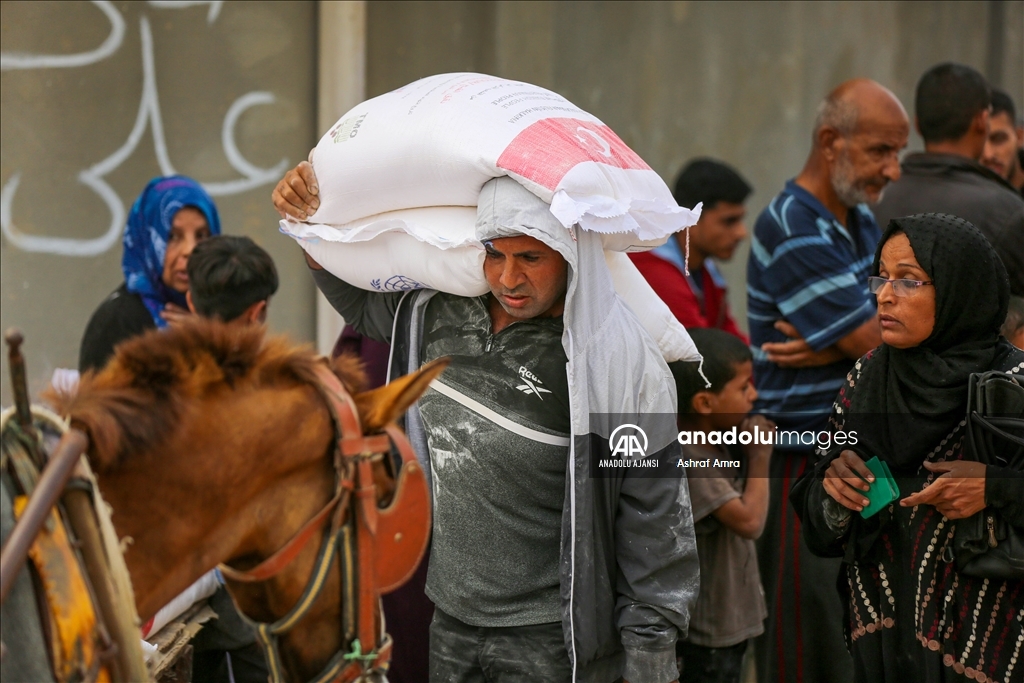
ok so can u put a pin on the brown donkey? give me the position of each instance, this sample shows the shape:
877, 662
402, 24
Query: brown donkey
214, 445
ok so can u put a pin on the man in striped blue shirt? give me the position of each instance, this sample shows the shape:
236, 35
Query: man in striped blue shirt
811, 316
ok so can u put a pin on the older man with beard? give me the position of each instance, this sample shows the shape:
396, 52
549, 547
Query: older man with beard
811, 316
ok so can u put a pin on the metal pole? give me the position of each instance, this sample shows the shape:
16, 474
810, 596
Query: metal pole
127, 664
14, 338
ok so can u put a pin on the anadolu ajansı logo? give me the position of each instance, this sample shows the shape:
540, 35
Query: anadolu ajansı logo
628, 441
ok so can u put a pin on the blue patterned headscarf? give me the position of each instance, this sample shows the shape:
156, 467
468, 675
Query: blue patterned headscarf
145, 240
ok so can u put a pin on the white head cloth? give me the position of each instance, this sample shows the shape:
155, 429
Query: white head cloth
614, 367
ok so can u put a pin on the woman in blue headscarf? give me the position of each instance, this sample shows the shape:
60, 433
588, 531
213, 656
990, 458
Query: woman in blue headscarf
168, 219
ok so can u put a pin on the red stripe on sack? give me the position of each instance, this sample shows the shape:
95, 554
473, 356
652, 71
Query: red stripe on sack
546, 150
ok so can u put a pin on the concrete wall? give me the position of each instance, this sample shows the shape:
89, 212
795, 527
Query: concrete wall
735, 80
64, 114
341, 85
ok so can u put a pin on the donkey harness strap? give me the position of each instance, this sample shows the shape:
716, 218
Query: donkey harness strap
289, 551
352, 477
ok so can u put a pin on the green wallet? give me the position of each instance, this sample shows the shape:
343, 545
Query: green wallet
883, 491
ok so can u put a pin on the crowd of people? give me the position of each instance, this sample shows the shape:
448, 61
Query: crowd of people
877, 285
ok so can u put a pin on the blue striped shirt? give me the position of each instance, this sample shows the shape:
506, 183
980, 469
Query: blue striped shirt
808, 269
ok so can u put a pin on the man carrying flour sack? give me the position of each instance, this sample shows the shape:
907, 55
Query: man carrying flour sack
539, 571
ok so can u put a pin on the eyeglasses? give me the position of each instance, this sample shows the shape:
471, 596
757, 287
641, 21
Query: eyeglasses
900, 287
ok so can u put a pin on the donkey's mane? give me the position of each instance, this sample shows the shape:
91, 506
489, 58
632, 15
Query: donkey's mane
139, 397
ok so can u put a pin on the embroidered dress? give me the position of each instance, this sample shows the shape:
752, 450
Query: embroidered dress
910, 616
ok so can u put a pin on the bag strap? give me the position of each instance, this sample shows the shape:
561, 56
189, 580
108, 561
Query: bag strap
993, 424
982, 416
979, 382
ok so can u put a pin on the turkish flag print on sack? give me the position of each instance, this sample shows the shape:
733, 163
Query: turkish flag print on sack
548, 149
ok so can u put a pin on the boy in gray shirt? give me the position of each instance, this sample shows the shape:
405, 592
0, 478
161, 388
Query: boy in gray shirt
730, 504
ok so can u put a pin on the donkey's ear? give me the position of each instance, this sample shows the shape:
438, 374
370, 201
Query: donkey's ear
380, 406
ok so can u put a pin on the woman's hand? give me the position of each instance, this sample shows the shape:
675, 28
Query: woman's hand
845, 480
174, 314
296, 195
957, 493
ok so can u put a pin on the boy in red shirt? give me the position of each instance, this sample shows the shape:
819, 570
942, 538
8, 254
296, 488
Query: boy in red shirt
699, 299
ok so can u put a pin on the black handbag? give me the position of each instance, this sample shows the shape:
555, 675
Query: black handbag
985, 545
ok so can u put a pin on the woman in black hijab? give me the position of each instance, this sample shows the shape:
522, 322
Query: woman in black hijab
910, 615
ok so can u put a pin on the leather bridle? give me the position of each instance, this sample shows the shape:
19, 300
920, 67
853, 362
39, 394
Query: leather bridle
379, 548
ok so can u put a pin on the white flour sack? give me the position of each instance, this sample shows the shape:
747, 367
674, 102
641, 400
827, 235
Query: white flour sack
673, 340
435, 142
433, 248
395, 260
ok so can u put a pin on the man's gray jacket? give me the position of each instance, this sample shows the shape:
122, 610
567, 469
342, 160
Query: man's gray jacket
947, 183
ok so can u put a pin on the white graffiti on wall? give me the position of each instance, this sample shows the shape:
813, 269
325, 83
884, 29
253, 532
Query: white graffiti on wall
18, 60
148, 116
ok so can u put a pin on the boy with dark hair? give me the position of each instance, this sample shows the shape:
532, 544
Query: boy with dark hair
710, 182
952, 114
231, 278
730, 504
698, 299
